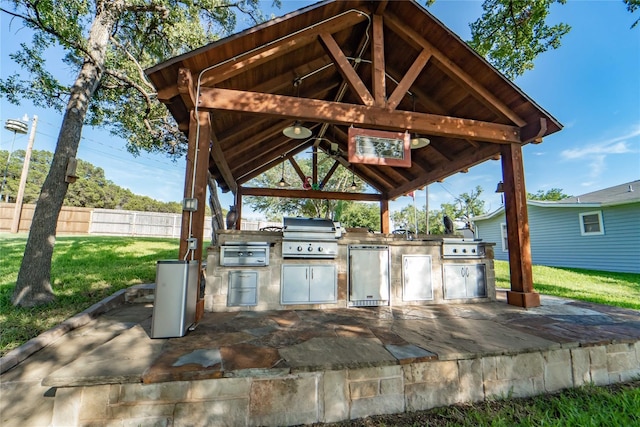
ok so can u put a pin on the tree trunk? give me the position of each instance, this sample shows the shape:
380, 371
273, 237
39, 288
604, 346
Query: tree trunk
33, 286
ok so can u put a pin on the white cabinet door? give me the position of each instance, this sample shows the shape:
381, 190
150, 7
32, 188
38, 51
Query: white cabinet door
295, 284
416, 275
464, 281
322, 285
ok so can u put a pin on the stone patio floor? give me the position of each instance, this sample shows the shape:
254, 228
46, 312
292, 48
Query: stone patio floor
116, 347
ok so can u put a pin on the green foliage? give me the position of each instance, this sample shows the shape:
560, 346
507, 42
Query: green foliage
633, 6
512, 33
358, 214
145, 34
552, 195
277, 207
91, 190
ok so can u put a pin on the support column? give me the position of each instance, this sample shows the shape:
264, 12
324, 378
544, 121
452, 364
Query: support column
521, 293
196, 187
384, 217
238, 198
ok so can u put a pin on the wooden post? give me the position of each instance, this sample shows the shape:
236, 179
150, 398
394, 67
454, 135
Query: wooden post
238, 197
384, 216
195, 186
521, 293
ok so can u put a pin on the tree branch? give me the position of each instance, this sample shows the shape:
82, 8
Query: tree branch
141, 74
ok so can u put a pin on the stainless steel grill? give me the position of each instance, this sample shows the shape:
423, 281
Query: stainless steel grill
309, 238
462, 248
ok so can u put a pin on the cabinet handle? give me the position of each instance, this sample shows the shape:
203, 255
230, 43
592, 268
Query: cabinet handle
312, 274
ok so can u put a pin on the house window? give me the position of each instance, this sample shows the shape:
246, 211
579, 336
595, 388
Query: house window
591, 223
505, 239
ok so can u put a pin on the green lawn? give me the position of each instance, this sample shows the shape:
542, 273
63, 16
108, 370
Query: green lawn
602, 287
85, 270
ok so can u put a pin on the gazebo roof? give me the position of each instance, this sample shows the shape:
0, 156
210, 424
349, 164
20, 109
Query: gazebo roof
335, 64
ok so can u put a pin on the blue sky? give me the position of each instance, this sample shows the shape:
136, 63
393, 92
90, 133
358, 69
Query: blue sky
591, 84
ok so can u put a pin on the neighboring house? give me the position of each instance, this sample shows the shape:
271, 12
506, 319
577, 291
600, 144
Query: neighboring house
596, 231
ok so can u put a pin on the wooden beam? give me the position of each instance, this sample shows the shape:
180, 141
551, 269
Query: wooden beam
297, 168
221, 163
533, 132
270, 51
310, 194
384, 216
350, 114
454, 71
187, 88
345, 68
327, 177
408, 79
521, 293
378, 68
263, 166
195, 186
446, 169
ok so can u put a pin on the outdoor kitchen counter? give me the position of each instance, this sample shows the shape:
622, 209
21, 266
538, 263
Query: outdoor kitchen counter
451, 280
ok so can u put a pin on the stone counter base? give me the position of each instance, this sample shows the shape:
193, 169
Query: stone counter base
331, 396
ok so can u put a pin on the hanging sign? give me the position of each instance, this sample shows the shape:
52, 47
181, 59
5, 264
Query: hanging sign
379, 147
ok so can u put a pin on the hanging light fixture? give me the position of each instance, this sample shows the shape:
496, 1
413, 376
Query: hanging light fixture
417, 141
353, 181
297, 130
500, 187
282, 182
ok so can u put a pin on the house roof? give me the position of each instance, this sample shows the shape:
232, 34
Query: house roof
621, 194
377, 65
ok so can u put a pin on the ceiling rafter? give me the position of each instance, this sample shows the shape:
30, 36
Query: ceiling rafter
221, 163
378, 68
344, 66
481, 93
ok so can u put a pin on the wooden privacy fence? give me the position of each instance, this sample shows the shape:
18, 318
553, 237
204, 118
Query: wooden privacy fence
102, 221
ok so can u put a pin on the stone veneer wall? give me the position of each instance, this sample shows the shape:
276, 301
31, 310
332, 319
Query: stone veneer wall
330, 396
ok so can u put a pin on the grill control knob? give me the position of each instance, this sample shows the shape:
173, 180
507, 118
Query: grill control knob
455, 251
464, 251
249, 253
299, 248
320, 249
310, 248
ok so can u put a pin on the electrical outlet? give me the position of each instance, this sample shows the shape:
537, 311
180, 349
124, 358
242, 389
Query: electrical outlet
192, 243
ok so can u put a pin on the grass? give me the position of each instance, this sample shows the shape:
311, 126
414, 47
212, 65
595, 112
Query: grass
612, 406
600, 287
84, 271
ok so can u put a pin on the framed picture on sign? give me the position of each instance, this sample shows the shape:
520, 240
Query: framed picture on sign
379, 147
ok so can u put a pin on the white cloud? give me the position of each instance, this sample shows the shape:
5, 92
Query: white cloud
598, 150
595, 155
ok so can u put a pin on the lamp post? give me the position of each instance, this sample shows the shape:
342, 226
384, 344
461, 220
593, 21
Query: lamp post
16, 126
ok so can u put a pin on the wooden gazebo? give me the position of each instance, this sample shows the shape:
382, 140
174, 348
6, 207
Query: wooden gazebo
380, 65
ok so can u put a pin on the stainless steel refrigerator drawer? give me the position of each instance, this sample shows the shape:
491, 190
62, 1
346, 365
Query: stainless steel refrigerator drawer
243, 288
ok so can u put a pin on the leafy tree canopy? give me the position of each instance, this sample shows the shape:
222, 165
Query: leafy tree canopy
275, 207
552, 194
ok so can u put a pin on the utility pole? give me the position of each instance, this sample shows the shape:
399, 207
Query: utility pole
16, 126
17, 212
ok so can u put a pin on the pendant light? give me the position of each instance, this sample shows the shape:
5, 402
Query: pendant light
282, 183
353, 181
418, 141
297, 130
